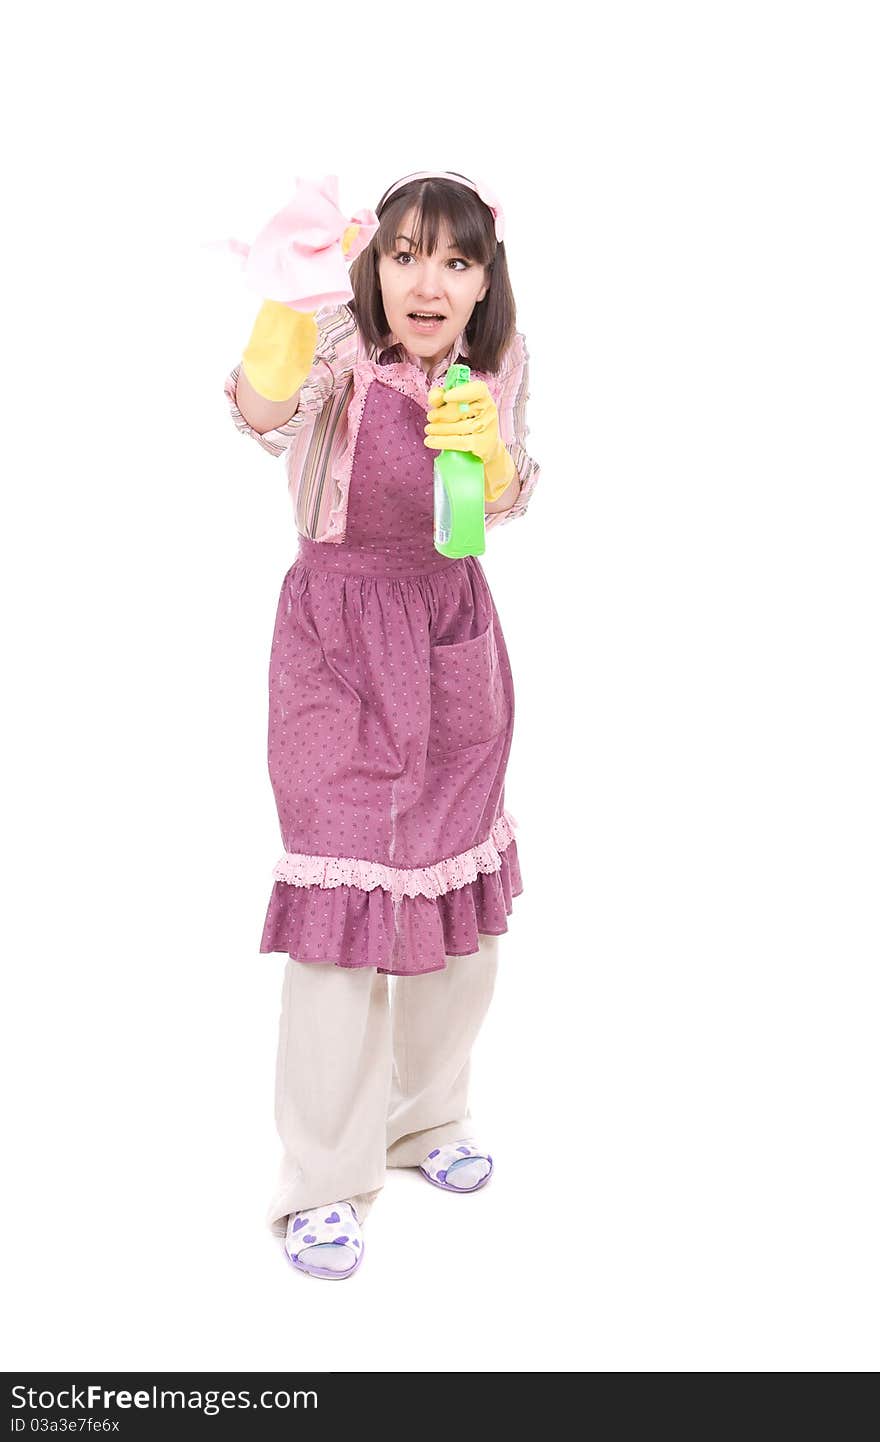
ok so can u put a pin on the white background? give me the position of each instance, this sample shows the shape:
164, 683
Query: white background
679, 1074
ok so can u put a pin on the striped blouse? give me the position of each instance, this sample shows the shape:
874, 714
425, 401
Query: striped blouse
317, 444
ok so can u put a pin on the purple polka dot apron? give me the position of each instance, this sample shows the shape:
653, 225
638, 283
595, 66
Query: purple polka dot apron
390, 723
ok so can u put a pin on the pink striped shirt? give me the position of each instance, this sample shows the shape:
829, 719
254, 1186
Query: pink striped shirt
318, 442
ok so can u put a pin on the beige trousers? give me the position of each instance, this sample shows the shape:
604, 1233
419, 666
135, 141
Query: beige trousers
369, 1076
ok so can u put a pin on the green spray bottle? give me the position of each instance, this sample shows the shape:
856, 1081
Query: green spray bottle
459, 491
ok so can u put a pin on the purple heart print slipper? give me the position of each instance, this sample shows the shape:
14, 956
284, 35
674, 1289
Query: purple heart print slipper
325, 1241
461, 1166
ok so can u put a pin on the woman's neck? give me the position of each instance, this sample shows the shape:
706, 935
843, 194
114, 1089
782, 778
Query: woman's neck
425, 363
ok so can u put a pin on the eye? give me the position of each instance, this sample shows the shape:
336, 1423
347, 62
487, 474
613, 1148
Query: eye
454, 261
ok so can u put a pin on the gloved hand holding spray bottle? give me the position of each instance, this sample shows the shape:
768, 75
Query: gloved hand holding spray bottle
473, 466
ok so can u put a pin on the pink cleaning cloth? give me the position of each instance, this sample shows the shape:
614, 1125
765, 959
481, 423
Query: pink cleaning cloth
298, 258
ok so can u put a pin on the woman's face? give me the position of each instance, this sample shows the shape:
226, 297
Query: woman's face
445, 282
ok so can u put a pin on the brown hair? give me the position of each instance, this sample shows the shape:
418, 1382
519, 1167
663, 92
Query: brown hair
437, 203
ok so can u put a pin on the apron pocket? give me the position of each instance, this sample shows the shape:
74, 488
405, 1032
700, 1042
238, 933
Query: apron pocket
467, 693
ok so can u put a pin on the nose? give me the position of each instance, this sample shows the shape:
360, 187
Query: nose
431, 287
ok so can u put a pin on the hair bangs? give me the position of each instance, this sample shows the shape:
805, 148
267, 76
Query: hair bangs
436, 214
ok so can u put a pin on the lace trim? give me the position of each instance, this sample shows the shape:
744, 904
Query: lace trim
298, 869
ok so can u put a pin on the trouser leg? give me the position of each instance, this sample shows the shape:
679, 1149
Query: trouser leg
435, 1020
333, 1075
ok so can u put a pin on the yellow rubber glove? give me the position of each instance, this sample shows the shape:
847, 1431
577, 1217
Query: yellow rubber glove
281, 350
477, 431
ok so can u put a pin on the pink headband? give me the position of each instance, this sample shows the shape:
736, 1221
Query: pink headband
487, 195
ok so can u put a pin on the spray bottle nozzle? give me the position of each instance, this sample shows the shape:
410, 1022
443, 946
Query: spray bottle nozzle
458, 375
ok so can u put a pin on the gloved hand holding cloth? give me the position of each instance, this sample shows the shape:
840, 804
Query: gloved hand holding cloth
298, 262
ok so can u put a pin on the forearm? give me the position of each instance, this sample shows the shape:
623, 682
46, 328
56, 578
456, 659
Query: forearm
507, 498
263, 415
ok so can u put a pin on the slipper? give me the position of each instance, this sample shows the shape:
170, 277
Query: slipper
458, 1166
325, 1241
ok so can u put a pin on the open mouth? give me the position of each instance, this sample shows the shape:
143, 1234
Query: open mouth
425, 320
